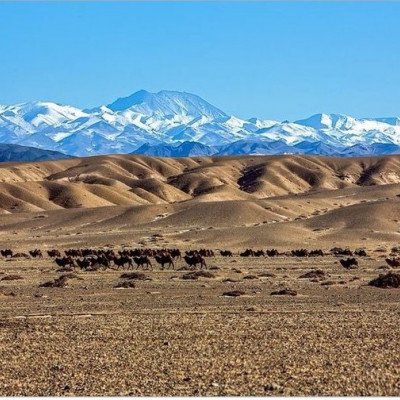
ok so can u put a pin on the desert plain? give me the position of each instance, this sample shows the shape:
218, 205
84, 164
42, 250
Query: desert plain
170, 332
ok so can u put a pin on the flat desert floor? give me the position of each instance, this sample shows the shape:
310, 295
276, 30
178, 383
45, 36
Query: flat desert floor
169, 335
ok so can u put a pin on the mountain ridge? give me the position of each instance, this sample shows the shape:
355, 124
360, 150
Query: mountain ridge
13, 152
169, 120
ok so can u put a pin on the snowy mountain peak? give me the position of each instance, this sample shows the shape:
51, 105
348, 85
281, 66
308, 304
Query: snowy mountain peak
166, 104
179, 123
327, 121
137, 98
390, 120
42, 112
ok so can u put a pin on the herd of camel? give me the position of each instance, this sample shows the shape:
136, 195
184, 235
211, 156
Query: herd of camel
93, 259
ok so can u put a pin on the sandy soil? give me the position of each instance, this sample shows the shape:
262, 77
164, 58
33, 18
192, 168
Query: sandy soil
171, 336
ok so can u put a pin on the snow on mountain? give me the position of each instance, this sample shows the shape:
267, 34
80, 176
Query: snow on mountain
178, 123
36, 114
349, 131
389, 120
262, 123
289, 132
167, 104
327, 121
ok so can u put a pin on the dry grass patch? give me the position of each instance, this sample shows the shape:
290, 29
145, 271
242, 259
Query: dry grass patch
284, 292
65, 269
138, 276
230, 280
198, 274
250, 277
234, 293
11, 278
60, 282
125, 285
329, 283
266, 275
314, 274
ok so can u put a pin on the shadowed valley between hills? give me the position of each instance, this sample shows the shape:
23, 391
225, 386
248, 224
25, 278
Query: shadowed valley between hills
213, 201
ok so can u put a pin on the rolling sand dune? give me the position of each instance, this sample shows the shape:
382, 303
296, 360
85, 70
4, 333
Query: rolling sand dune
225, 201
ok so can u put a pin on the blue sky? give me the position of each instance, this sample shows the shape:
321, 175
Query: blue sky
270, 60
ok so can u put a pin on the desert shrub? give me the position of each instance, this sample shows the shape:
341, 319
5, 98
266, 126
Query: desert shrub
11, 277
234, 293
266, 275
60, 282
317, 273
386, 281
138, 276
198, 274
250, 277
284, 292
125, 285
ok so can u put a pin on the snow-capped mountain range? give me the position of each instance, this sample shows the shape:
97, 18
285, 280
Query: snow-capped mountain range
180, 124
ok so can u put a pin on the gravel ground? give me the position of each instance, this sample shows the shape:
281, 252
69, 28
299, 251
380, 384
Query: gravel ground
168, 336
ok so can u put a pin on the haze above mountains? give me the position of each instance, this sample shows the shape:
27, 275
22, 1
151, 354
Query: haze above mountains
170, 123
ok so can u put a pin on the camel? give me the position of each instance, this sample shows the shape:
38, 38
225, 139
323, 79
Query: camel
350, 263
84, 263
53, 253
338, 251
175, 253
36, 253
299, 253
141, 261
360, 253
192, 261
272, 252
165, 258
247, 253
64, 262
6, 253
122, 260
393, 262
316, 253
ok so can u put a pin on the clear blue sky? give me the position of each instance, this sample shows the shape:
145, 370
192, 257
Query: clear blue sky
270, 60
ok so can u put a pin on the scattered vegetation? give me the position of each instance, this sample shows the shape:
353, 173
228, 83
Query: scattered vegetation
125, 285
138, 276
198, 274
250, 277
314, 274
11, 278
60, 282
284, 292
234, 293
386, 281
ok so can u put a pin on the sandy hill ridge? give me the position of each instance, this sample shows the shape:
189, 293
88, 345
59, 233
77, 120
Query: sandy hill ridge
243, 199
136, 180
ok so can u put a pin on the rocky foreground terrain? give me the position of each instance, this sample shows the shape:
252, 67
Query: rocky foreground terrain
221, 334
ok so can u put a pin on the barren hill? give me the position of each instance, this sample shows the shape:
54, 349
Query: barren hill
238, 201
